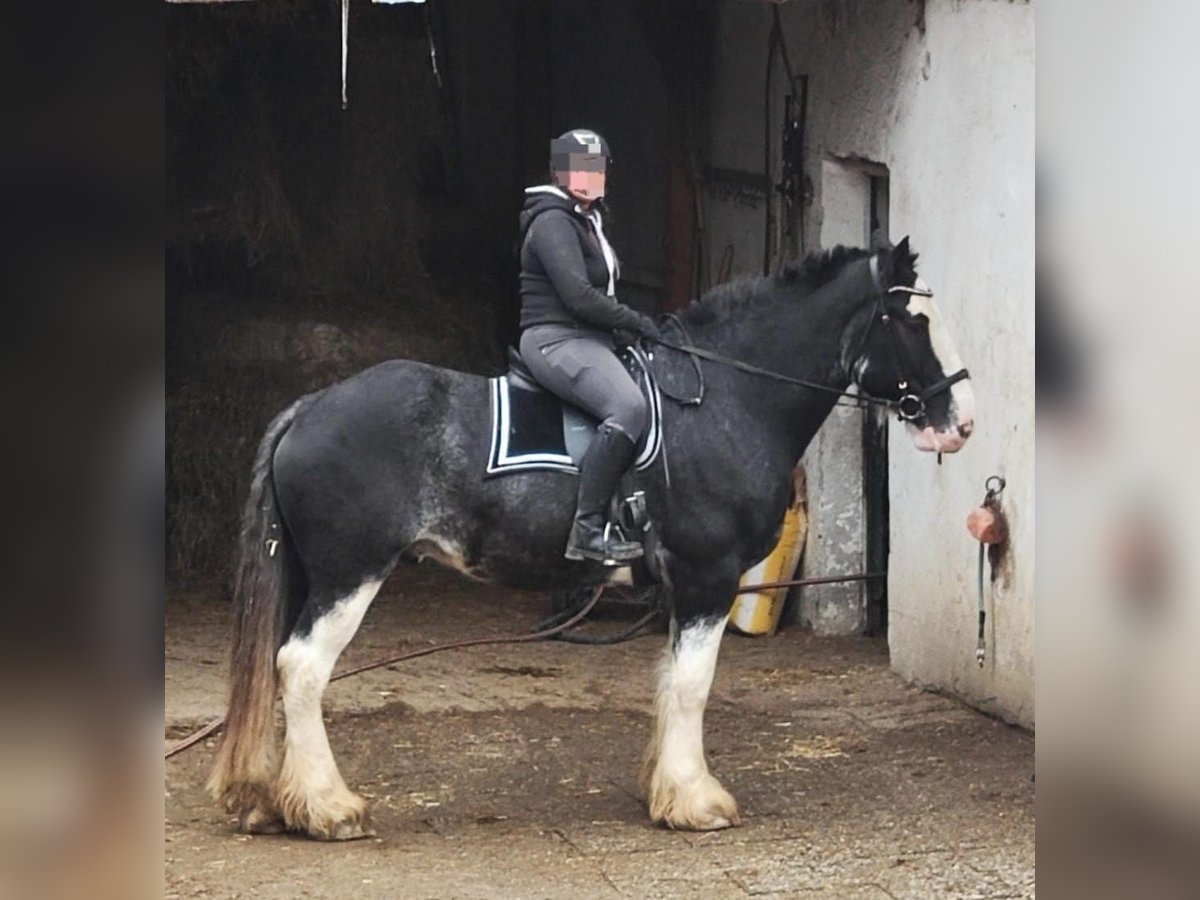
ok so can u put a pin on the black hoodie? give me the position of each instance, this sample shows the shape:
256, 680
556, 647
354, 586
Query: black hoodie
564, 277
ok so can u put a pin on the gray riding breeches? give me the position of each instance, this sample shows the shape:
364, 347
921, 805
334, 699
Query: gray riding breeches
580, 366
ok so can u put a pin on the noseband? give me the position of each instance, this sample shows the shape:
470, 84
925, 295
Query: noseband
911, 405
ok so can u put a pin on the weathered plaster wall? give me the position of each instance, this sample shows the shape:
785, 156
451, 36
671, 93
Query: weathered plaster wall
963, 186
942, 94
836, 543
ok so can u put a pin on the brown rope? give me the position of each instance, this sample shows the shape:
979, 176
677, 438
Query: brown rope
819, 579
212, 726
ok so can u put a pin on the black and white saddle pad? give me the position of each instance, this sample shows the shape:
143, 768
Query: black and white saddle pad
534, 430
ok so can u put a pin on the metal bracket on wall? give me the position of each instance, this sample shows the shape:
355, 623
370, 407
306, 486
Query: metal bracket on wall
743, 189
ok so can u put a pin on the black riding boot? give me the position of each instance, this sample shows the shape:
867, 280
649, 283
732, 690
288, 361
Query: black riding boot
606, 461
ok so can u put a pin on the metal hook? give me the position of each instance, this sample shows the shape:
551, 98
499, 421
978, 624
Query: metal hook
994, 492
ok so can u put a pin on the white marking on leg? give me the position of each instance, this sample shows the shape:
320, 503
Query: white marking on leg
683, 688
313, 795
680, 789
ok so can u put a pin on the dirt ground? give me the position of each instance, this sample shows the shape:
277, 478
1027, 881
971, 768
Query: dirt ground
510, 771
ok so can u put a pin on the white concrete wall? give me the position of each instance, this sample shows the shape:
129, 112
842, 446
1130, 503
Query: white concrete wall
944, 99
963, 171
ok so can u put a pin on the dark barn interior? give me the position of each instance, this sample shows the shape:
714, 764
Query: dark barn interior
306, 241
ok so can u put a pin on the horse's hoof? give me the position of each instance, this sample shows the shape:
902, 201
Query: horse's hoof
333, 816
713, 819
712, 822
702, 805
260, 820
351, 822
353, 829
256, 810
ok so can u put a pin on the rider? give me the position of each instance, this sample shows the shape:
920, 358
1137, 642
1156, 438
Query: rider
571, 322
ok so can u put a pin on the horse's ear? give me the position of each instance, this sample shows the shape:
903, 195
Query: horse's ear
903, 262
904, 253
879, 241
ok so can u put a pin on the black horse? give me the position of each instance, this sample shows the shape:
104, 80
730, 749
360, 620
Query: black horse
387, 466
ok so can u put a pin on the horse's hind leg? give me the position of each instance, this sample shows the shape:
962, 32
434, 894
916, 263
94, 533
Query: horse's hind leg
679, 789
313, 798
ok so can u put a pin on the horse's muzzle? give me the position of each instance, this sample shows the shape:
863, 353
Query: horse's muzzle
948, 441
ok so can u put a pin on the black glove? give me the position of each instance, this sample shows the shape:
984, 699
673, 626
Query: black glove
624, 337
644, 328
647, 328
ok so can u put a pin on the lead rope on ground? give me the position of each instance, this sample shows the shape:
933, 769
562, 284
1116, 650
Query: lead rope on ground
652, 596
212, 726
542, 633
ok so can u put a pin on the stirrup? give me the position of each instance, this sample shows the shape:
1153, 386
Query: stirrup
579, 551
610, 559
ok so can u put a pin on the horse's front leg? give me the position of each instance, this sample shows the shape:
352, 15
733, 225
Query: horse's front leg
675, 778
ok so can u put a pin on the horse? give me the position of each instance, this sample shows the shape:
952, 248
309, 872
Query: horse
387, 467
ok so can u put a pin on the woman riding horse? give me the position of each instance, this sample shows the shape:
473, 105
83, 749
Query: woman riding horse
571, 321
388, 467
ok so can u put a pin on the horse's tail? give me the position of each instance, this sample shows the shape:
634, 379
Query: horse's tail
268, 590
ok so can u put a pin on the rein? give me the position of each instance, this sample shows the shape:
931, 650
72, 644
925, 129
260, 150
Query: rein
910, 405
699, 352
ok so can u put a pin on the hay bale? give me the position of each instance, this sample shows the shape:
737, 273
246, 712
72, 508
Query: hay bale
235, 366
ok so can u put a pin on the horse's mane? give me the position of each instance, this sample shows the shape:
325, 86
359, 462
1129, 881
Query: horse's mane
816, 269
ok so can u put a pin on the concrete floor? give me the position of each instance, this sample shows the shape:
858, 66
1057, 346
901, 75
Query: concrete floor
511, 771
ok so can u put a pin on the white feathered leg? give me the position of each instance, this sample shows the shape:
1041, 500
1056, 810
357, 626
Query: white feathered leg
312, 795
675, 778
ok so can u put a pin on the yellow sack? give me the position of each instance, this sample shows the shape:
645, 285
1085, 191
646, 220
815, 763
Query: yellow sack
759, 613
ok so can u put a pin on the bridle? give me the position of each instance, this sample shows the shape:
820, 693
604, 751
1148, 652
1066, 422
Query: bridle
909, 407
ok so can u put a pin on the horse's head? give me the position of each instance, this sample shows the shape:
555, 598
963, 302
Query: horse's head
907, 356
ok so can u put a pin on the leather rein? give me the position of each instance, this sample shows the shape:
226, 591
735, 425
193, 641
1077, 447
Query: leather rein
910, 405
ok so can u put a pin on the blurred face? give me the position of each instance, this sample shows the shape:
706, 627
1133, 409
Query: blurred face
586, 177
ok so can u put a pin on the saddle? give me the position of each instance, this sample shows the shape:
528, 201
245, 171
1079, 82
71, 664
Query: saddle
532, 429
